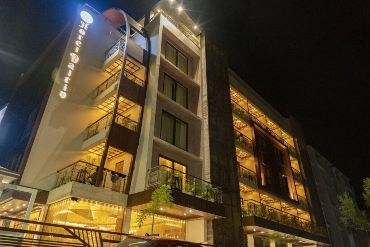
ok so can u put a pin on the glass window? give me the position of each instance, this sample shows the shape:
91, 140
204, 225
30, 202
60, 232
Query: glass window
171, 54
175, 91
284, 184
177, 58
278, 155
182, 62
174, 131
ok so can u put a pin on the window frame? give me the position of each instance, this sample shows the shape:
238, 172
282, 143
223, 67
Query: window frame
174, 130
174, 95
177, 57
173, 163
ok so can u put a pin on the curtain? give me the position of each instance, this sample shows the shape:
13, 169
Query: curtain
167, 127
171, 54
181, 135
182, 63
169, 85
181, 95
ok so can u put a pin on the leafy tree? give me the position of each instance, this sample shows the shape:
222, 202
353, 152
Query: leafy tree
279, 239
351, 216
161, 197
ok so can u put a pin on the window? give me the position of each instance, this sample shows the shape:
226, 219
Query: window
175, 91
278, 155
174, 131
284, 183
176, 172
262, 145
177, 58
267, 175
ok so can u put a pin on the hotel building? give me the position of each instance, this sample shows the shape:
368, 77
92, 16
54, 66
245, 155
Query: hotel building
124, 106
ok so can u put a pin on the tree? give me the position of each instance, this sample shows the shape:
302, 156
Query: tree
279, 239
351, 216
161, 197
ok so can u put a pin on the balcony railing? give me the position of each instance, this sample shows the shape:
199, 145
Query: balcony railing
184, 182
297, 175
302, 201
117, 46
247, 174
240, 137
239, 109
86, 173
254, 208
134, 78
105, 122
106, 84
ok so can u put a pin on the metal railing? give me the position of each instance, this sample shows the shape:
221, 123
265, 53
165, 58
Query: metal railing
239, 109
133, 78
117, 46
240, 137
106, 84
47, 234
105, 122
189, 34
186, 183
247, 174
302, 201
297, 175
86, 173
253, 208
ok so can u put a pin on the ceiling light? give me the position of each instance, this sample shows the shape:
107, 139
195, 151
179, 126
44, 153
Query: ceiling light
254, 229
195, 27
10, 204
5, 212
184, 213
161, 208
180, 8
11, 209
190, 210
3, 207
262, 232
159, 10
24, 205
17, 206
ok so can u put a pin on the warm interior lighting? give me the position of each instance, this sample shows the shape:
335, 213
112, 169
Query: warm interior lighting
262, 232
195, 27
180, 8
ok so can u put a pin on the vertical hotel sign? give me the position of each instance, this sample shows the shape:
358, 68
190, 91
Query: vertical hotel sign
74, 54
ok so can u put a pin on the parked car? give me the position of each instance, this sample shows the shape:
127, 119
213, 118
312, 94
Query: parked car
152, 241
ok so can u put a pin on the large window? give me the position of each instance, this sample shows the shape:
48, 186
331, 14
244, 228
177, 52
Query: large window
177, 58
175, 91
174, 131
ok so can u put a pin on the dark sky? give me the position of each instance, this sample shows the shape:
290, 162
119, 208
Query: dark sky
309, 59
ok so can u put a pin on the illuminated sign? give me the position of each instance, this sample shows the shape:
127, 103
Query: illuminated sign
73, 55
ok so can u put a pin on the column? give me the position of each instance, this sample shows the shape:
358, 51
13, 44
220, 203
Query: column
272, 244
126, 221
289, 245
250, 240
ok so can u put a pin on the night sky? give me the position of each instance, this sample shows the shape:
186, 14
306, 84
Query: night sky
309, 59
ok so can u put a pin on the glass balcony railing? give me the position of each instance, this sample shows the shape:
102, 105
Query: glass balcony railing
254, 208
297, 175
133, 78
240, 137
302, 201
247, 174
117, 46
105, 122
86, 173
186, 183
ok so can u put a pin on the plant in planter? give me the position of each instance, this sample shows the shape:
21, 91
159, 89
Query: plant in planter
189, 188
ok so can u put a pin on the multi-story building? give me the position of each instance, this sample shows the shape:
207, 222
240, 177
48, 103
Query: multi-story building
135, 104
330, 184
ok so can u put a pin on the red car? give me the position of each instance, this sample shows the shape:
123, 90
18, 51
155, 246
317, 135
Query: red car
151, 241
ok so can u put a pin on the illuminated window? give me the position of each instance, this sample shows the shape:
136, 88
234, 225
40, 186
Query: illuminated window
174, 131
177, 58
175, 91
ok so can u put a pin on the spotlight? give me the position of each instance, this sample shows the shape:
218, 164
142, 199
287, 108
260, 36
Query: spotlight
180, 8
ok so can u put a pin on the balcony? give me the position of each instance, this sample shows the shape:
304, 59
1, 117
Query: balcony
254, 208
116, 47
247, 174
105, 122
183, 182
302, 201
297, 175
86, 173
240, 137
239, 110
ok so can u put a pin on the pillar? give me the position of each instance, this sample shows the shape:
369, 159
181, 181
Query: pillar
126, 221
272, 244
250, 240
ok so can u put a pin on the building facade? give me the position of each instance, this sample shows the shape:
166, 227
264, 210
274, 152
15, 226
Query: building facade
136, 104
331, 183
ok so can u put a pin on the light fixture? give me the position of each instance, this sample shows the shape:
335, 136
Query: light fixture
184, 213
10, 204
161, 208
11, 209
5, 212
17, 206
159, 10
180, 8
190, 210
262, 232
24, 204
254, 229
3, 207
86, 17
195, 27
